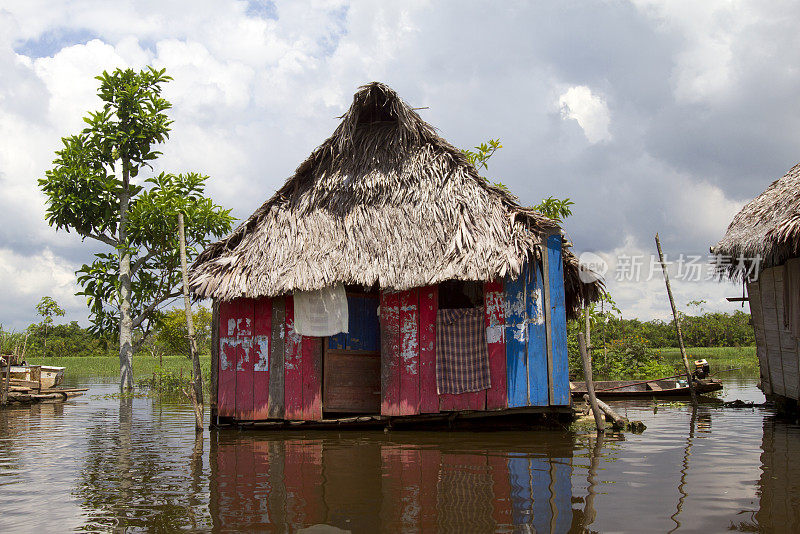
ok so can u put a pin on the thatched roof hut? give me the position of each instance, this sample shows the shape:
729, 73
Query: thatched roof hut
384, 201
762, 248
767, 227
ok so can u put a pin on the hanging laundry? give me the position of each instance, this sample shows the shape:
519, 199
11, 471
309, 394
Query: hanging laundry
321, 313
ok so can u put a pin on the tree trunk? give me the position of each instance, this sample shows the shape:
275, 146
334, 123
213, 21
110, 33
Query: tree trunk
197, 378
125, 319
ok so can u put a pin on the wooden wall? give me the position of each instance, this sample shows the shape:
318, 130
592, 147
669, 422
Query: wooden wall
776, 348
266, 370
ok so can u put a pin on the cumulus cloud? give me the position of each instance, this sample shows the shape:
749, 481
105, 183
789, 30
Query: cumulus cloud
258, 85
589, 110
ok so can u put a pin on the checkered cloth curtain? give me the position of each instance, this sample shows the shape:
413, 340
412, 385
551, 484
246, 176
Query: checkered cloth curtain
462, 357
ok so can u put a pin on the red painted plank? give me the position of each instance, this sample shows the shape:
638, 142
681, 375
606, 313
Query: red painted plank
226, 397
311, 367
502, 508
497, 396
428, 305
293, 377
409, 352
244, 359
430, 466
390, 353
262, 330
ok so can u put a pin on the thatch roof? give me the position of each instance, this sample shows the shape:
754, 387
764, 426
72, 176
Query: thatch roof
767, 227
383, 201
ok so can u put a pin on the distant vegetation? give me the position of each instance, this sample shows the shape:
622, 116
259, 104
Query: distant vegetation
631, 348
167, 339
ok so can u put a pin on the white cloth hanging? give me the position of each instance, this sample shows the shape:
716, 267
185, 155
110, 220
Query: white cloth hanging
321, 313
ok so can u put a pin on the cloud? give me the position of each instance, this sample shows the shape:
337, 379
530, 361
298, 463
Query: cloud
258, 85
26, 279
589, 110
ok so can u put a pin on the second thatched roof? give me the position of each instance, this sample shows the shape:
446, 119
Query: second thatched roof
767, 227
383, 201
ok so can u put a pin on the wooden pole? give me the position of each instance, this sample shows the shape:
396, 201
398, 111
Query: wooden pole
196, 391
599, 420
677, 322
587, 327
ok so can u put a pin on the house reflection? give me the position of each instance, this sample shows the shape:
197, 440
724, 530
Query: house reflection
779, 485
377, 482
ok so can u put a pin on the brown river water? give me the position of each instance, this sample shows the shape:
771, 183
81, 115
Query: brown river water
98, 463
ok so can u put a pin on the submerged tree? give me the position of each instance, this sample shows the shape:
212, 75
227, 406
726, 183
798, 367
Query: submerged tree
93, 189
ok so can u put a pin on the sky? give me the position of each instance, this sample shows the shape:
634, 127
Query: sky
652, 116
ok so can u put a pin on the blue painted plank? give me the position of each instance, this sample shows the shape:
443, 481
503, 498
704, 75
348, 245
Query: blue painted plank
537, 337
516, 341
354, 323
540, 485
558, 326
519, 475
562, 493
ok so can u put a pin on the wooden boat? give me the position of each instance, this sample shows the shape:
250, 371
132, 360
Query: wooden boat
667, 387
46, 375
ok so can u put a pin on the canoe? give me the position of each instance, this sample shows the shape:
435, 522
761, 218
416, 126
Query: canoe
50, 376
638, 388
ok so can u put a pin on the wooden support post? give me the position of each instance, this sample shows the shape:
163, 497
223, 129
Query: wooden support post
677, 323
4, 385
599, 420
196, 390
587, 327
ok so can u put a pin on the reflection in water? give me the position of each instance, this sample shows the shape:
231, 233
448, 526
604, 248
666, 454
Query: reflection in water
130, 479
99, 463
373, 482
779, 484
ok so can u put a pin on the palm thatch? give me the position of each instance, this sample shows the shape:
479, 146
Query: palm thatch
383, 201
768, 227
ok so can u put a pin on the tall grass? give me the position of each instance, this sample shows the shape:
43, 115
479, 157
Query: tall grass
719, 358
108, 366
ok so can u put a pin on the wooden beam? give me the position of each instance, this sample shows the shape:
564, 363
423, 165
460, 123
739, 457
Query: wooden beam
276, 360
214, 360
548, 318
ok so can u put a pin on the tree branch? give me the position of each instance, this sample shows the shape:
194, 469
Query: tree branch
141, 261
103, 239
152, 306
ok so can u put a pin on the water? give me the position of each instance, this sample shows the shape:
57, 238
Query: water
99, 463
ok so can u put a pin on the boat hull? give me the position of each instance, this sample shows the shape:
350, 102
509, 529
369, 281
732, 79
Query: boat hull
637, 388
49, 376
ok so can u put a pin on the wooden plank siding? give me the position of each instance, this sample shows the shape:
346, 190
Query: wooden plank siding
293, 373
226, 400
756, 313
277, 358
214, 394
516, 337
559, 384
497, 395
428, 306
409, 352
390, 353
262, 331
771, 335
788, 344
244, 359
538, 379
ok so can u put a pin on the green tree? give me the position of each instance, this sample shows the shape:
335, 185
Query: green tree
93, 189
170, 331
48, 308
554, 208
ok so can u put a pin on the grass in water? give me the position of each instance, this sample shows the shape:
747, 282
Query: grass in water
108, 366
719, 358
